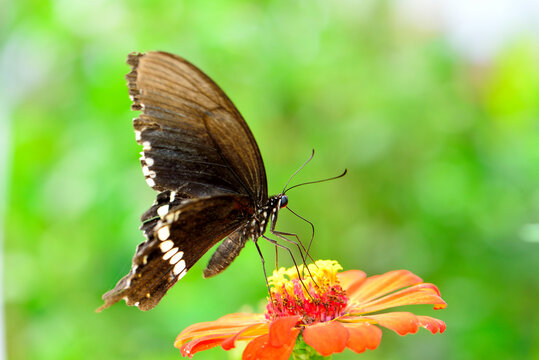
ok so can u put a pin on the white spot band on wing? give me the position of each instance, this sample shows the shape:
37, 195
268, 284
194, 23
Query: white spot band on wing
163, 233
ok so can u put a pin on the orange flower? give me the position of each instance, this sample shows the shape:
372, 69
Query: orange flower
332, 311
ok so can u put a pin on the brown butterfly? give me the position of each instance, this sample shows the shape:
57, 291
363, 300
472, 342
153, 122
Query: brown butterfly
199, 153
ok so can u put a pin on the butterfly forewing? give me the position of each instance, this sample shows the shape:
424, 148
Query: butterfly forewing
176, 243
193, 136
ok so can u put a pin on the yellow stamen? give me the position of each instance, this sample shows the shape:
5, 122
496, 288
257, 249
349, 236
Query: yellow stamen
321, 275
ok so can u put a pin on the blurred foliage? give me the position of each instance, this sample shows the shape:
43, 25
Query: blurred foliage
443, 159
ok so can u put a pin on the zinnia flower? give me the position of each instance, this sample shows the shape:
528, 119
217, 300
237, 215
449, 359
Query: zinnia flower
329, 311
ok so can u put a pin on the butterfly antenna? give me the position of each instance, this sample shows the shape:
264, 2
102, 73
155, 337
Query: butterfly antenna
298, 170
317, 181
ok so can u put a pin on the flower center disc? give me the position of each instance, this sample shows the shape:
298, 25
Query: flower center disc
314, 292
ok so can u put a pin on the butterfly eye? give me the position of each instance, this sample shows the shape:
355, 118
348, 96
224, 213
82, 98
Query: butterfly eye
284, 201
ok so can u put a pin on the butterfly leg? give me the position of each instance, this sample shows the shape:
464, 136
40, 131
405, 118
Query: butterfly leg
282, 235
308, 222
298, 243
263, 266
276, 258
274, 242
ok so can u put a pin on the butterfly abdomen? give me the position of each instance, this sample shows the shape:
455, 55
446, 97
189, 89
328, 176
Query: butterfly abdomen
225, 253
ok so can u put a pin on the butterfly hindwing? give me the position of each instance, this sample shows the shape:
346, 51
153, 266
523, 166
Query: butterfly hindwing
175, 244
164, 201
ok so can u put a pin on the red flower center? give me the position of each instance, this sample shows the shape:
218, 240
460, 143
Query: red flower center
322, 300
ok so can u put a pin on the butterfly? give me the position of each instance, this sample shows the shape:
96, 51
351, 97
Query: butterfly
202, 158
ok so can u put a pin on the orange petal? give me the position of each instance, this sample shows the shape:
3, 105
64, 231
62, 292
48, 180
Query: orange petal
415, 295
280, 330
327, 337
351, 279
431, 324
237, 320
363, 336
199, 344
227, 325
248, 332
261, 349
378, 285
401, 322
225, 339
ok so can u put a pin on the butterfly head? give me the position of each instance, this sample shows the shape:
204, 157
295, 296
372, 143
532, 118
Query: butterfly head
276, 202
283, 201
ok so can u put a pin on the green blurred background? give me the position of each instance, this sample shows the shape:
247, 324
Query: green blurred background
432, 107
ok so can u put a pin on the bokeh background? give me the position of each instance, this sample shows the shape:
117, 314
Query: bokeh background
432, 106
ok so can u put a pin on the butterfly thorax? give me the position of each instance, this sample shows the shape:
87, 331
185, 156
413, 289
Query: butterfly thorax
265, 215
